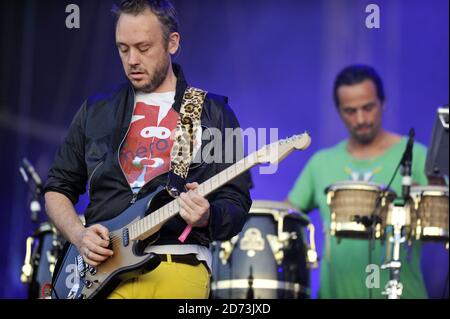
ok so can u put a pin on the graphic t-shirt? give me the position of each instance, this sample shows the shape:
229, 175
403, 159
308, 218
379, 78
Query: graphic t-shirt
344, 264
145, 152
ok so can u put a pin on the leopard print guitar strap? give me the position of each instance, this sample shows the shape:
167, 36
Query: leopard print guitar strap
188, 125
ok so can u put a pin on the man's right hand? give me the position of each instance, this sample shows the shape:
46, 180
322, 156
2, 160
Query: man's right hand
93, 243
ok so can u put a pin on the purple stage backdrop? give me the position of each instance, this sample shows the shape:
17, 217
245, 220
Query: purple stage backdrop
275, 60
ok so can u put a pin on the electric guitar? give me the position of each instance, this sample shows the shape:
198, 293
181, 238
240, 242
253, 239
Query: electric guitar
74, 279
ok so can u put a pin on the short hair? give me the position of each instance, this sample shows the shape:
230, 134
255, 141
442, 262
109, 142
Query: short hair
163, 9
355, 74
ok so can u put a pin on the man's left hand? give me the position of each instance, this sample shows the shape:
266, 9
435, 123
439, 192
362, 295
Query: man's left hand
194, 208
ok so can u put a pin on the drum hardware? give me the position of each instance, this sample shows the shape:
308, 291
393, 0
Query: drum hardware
42, 250
398, 218
252, 241
226, 249
53, 254
248, 267
277, 247
312, 257
27, 268
250, 291
416, 231
281, 241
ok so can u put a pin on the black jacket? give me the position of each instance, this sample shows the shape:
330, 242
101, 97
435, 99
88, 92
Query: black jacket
89, 156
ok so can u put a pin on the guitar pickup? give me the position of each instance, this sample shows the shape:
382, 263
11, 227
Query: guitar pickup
126, 236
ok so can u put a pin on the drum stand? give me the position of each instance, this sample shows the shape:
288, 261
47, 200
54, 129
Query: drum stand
26, 276
398, 217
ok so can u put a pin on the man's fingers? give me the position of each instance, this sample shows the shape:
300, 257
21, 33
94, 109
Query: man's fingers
92, 259
185, 199
91, 262
102, 231
194, 200
94, 237
192, 186
100, 250
198, 200
186, 207
194, 207
96, 257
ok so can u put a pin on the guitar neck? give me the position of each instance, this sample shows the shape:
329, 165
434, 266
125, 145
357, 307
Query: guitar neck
150, 224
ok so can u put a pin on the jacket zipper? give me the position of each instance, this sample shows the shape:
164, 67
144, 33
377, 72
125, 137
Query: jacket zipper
135, 195
92, 175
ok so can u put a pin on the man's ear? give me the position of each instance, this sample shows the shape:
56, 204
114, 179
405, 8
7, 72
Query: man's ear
174, 42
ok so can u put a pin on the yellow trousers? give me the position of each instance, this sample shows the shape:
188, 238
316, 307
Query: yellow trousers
169, 280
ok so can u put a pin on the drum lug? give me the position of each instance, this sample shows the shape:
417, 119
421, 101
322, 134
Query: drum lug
312, 252
27, 268
418, 229
279, 243
226, 248
330, 196
333, 224
277, 248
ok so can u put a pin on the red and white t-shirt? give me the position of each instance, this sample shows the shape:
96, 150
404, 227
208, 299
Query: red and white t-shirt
145, 153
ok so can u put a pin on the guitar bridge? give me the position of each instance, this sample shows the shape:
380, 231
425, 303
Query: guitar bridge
81, 266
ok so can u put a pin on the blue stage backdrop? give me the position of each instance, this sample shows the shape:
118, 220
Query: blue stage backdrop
275, 60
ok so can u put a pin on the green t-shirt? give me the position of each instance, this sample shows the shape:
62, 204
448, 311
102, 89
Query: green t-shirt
343, 265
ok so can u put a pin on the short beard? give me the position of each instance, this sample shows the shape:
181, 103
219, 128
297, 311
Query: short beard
365, 139
157, 79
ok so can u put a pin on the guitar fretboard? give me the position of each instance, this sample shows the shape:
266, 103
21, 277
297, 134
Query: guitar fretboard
148, 225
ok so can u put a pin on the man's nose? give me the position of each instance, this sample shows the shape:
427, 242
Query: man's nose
133, 57
360, 118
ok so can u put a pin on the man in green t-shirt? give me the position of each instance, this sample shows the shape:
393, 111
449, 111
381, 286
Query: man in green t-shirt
370, 154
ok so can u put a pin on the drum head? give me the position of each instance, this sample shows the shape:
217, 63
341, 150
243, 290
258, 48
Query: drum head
429, 190
354, 185
275, 208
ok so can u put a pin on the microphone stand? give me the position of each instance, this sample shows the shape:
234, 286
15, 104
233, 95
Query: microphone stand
35, 206
32, 259
398, 217
28, 173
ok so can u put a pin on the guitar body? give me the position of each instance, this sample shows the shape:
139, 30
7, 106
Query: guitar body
73, 279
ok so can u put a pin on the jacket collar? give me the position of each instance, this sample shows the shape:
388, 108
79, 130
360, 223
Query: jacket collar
181, 86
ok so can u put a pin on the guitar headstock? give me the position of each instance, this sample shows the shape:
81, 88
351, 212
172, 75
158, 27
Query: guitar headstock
277, 151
